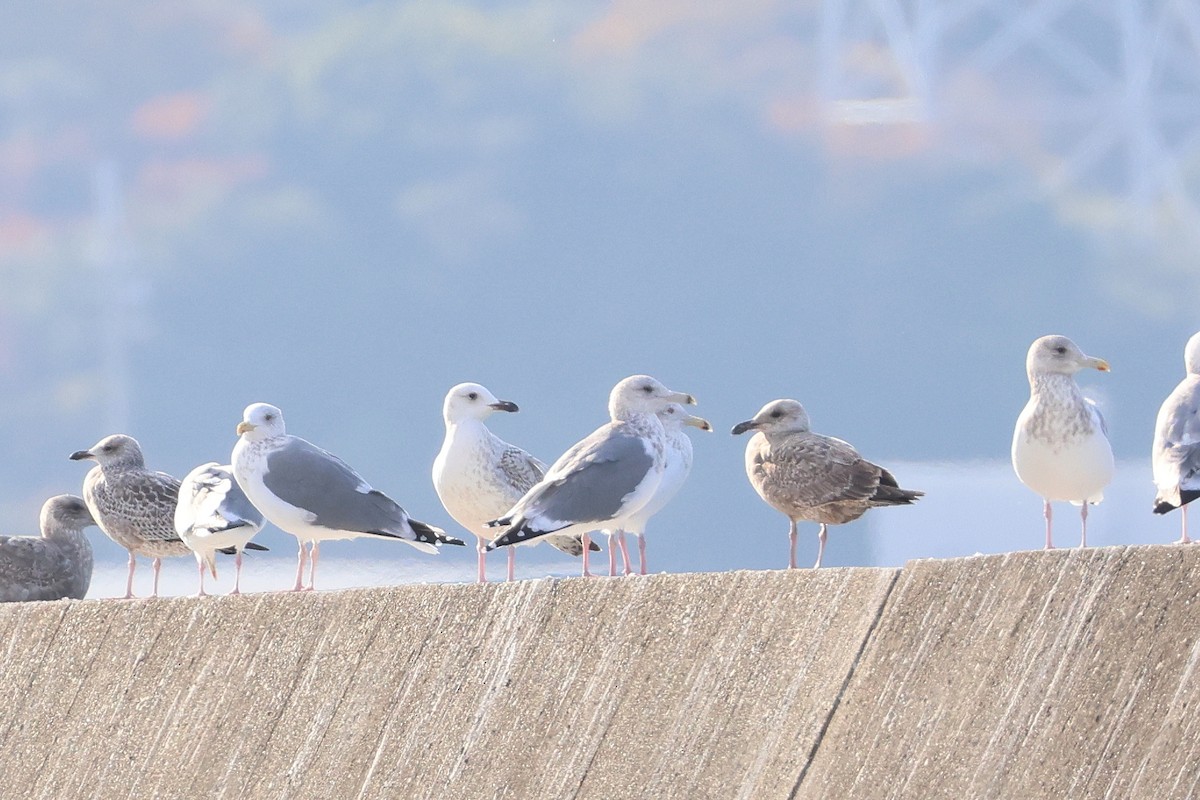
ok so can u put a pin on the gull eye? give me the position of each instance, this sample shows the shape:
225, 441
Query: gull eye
269, 417
648, 389
776, 414
473, 396
1061, 350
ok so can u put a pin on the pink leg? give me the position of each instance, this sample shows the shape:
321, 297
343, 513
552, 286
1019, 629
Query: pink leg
1083, 514
237, 573
624, 553
642, 553
481, 565
512, 562
1184, 538
157, 567
129, 580
792, 542
314, 551
299, 568
612, 553
821, 534
1049, 515
200, 564
587, 546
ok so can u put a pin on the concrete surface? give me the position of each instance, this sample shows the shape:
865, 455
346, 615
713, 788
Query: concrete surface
1068, 674
1063, 674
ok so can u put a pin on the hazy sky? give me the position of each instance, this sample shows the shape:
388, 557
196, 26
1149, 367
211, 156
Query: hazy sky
346, 208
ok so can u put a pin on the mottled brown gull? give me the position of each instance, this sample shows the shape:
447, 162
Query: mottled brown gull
604, 479
1060, 446
478, 476
809, 476
214, 515
314, 495
134, 506
1176, 453
55, 565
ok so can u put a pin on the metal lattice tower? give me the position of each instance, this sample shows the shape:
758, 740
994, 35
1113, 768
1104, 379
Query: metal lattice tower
1107, 90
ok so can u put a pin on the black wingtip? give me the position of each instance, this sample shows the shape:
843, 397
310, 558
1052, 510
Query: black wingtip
1185, 496
428, 534
257, 546
595, 548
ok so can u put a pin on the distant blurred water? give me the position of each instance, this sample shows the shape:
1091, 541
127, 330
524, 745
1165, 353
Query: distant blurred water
969, 508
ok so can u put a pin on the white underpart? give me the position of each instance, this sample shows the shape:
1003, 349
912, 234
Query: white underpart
470, 480
677, 465
1059, 459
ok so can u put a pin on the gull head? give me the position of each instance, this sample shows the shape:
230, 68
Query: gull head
675, 417
472, 401
641, 394
65, 512
1058, 354
777, 416
260, 421
1191, 355
117, 450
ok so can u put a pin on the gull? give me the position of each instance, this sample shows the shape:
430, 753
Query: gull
214, 514
1060, 446
604, 479
314, 495
55, 565
1176, 452
809, 476
132, 505
675, 471
478, 476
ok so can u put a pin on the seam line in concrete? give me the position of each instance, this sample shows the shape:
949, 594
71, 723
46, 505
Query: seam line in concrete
837, 700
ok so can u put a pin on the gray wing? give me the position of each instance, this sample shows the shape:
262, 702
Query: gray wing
521, 470
1097, 417
591, 480
216, 500
812, 470
1177, 436
32, 568
304, 475
144, 502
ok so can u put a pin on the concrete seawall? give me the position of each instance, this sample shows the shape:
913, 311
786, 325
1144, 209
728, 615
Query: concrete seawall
1062, 674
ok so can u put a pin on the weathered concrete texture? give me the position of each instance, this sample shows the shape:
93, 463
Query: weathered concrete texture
670, 686
1033, 675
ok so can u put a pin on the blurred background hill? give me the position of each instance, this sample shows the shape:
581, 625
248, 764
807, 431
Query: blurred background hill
345, 208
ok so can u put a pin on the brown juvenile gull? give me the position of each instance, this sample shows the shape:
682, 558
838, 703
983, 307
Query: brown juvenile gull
214, 515
54, 566
478, 476
675, 471
809, 476
603, 480
1176, 453
314, 495
1060, 446
132, 505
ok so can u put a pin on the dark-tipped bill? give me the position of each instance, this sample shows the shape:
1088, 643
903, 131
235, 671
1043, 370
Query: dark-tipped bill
742, 427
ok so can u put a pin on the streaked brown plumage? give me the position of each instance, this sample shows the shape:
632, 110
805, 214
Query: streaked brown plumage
809, 476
